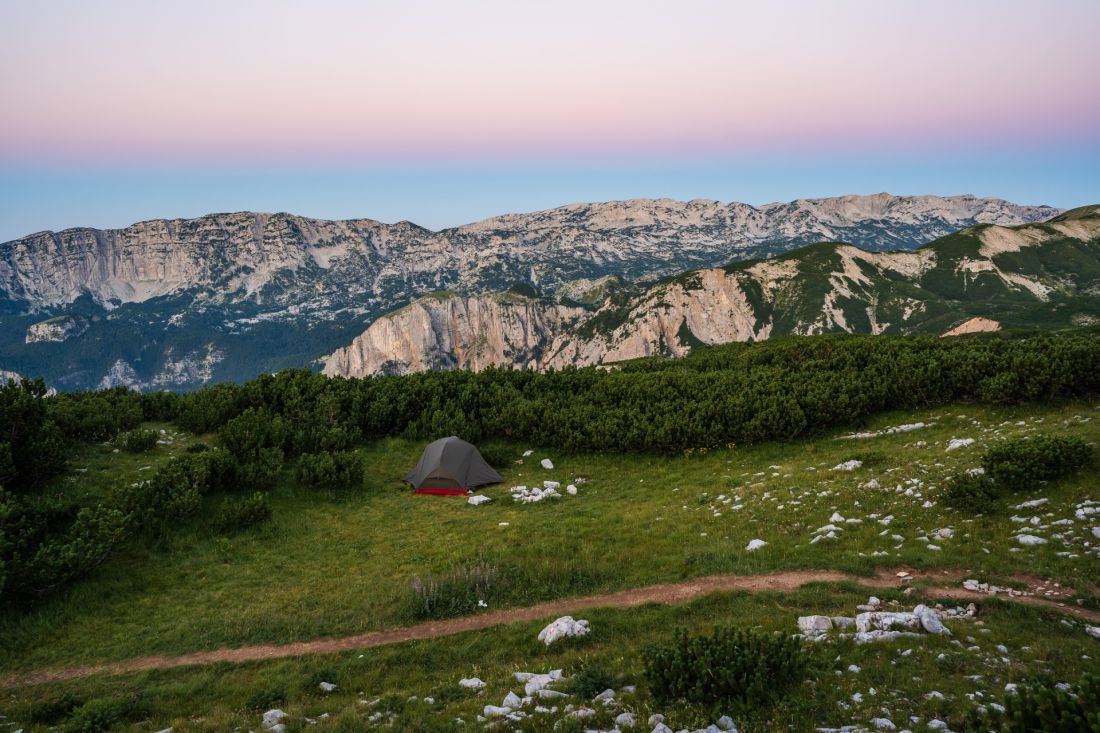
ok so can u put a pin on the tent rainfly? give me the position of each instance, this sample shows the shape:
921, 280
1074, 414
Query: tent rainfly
450, 466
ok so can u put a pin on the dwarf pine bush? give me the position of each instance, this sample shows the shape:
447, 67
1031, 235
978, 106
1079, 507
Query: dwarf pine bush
1042, 707
737, 667
1018, 464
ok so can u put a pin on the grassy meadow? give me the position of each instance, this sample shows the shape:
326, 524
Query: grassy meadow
332, 564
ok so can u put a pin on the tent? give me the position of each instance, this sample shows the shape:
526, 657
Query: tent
450, 466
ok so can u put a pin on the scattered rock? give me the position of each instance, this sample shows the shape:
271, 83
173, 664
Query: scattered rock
848, 465
273, 720
956, 443
472, 683
547, 463
478, 499
327, 687
1030, 539
755, 545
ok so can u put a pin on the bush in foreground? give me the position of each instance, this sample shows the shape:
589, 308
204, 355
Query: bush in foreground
458, 592
742, 668
1043, 707
969, 492
1017, 465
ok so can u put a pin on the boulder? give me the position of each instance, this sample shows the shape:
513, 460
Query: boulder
814, 625
625, 720
562, 628
887, 621
547, 463
1030, 539
273, 718
472, 683
930, 620
511, 700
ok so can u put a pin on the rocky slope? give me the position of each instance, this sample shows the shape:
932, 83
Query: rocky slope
266, 291
456, 332
979, 279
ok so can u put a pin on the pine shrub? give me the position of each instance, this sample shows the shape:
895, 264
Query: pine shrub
235, 515
138, 441
972, 493
731, 667
1018, 464
1042, 707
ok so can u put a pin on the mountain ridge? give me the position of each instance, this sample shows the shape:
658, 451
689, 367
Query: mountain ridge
824, 287
177, 303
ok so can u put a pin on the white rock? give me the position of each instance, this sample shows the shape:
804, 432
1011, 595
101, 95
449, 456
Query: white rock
1032, 504
272, 718
327, 687
471, 683
551, 484
661, 728
887, 621
562, 628
478, 499
726, 723
848, 465
571, 490
1093, 631
814, 625
956, 443
1030, 539
492, 711
512, 701
527, 453
930, 620
547, 463
625, 720
883, 724
755, 545
1096, 532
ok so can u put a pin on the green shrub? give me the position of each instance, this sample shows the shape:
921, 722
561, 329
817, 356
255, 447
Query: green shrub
1018, 464
234, 515
265, 699
100, 714
971, 493
732, 667
1042, 707
456, 592
592, 679
138, 441
53, 711
337, 471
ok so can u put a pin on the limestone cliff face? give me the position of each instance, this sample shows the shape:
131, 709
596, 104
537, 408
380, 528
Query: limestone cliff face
823, 288
455, 333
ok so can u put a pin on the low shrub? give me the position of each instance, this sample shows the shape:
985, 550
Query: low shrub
53, 711
234, 515
732, 667
458, 592
101, 714
1042, 707
335, 471
138, 441
592, 679
1018, 464
969, 492
265, 699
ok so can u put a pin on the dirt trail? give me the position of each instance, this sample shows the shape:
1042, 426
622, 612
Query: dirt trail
669, 593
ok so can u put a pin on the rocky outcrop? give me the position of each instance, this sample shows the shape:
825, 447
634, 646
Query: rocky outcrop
974, 325
455, 332
56, 329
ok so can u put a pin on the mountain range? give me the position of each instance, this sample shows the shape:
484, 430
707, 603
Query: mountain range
178, 303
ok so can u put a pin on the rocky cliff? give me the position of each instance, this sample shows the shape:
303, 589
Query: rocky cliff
975, 280
456, 332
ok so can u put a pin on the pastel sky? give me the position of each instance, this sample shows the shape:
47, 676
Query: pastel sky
443, 112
